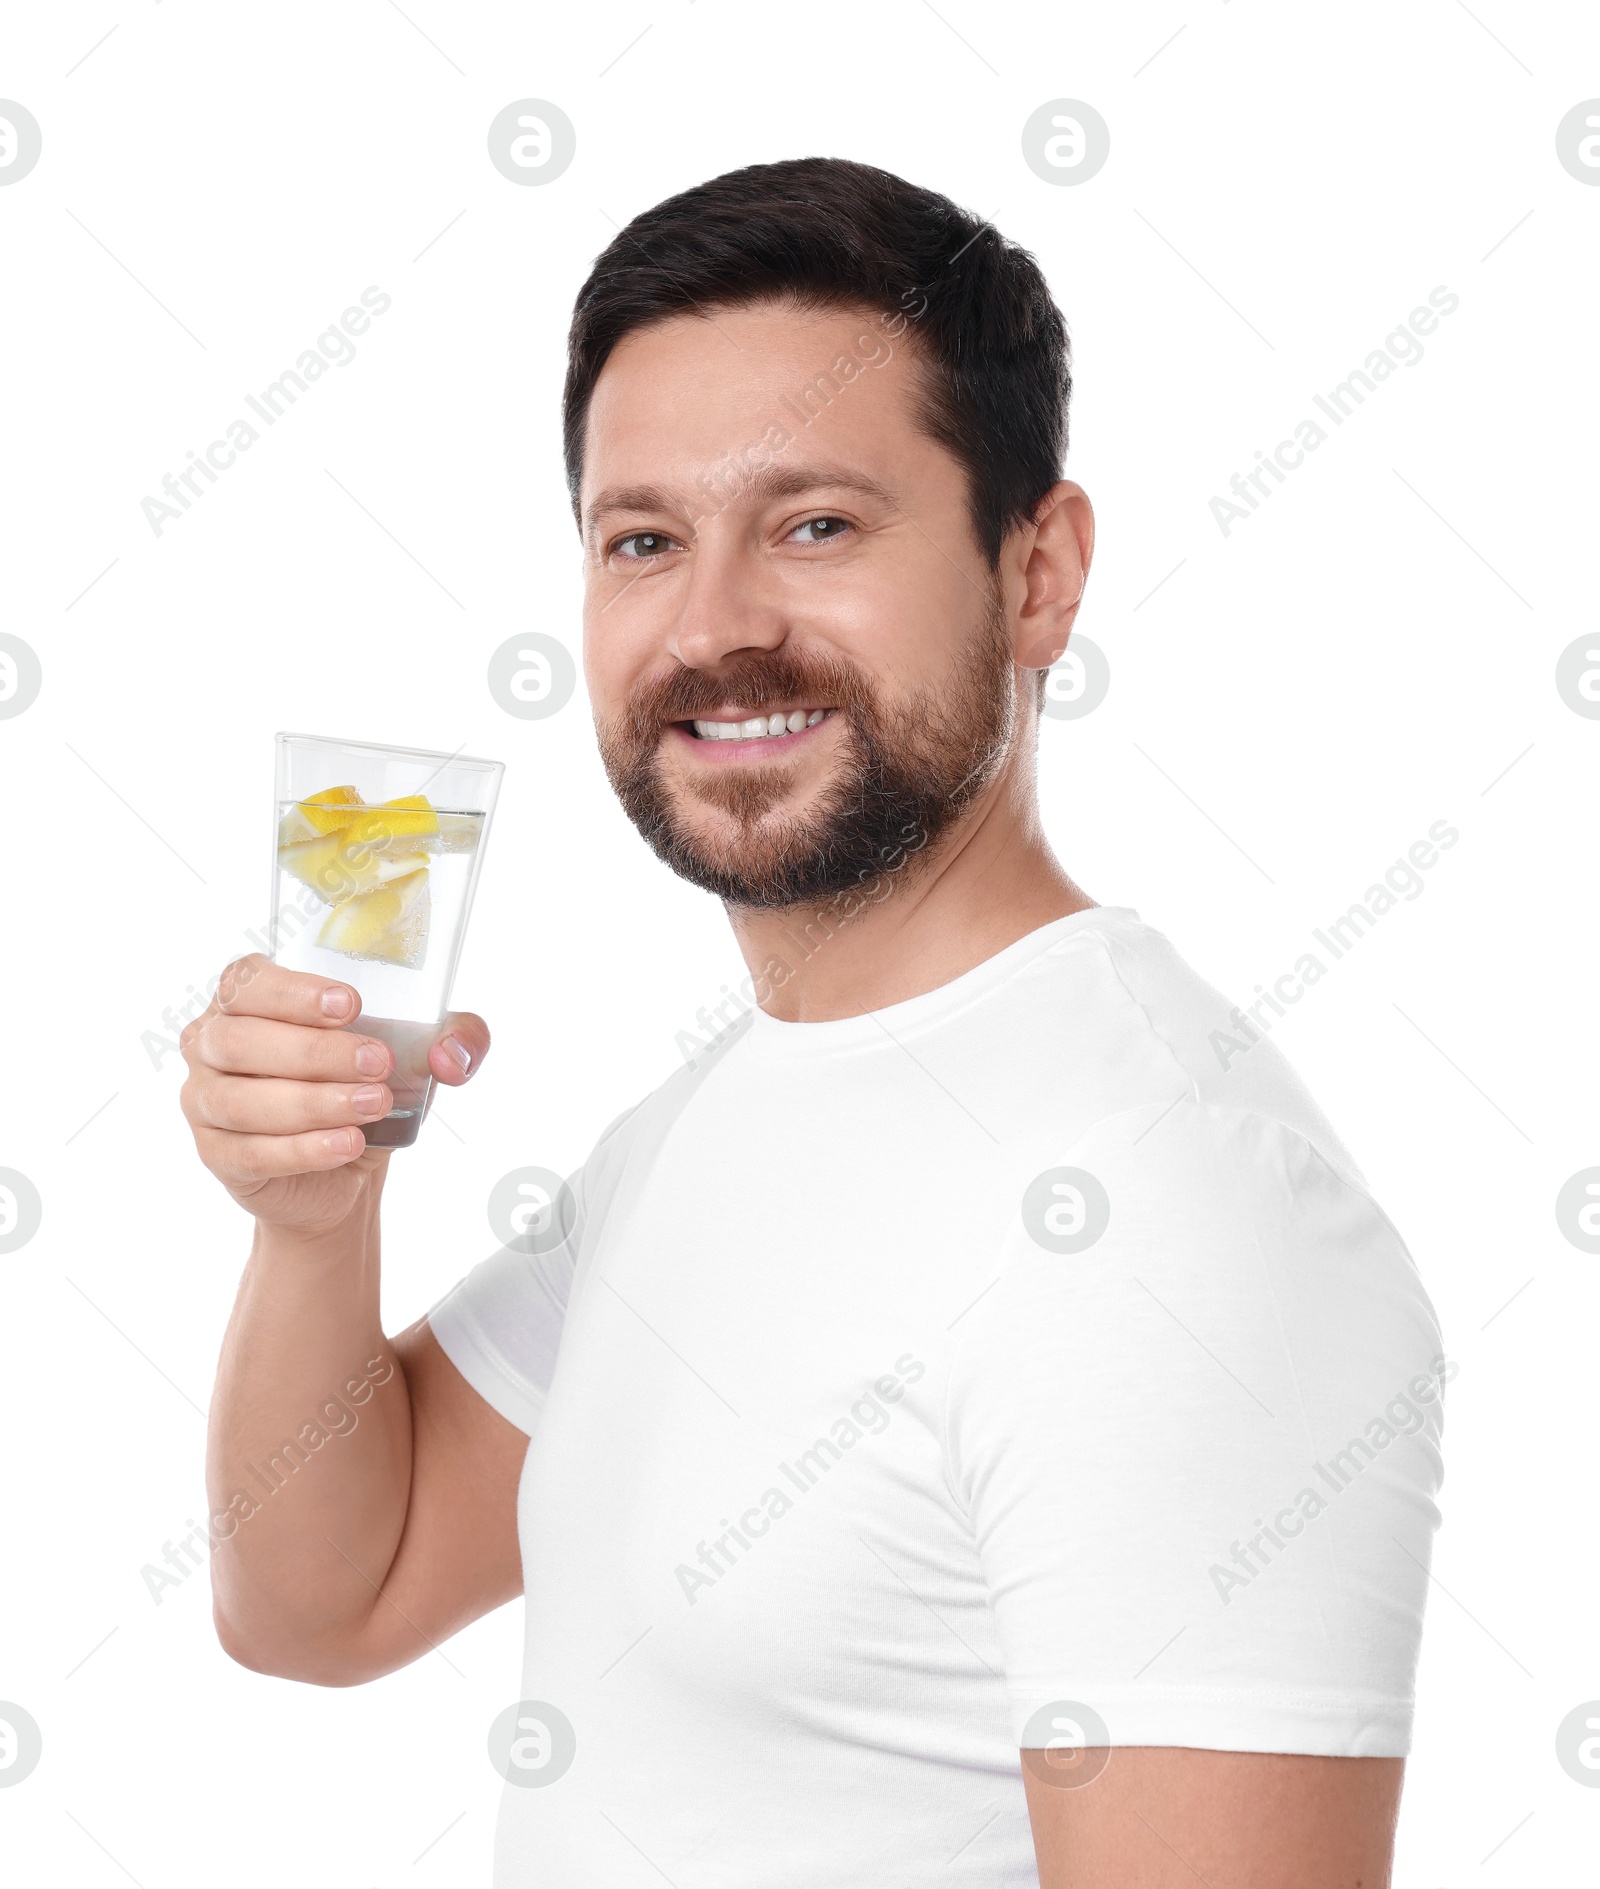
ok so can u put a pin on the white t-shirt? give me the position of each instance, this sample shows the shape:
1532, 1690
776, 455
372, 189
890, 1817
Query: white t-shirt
868, 1445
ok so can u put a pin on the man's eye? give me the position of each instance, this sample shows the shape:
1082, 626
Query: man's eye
822, 530
643, 544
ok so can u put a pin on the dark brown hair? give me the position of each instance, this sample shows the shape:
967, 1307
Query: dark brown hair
826, 232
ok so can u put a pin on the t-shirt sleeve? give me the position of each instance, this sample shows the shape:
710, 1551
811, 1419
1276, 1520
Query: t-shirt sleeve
500, 1325
1199, 1448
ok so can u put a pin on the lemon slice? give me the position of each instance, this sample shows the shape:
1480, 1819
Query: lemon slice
312, 861
335, 867
410, 818
385, 926
318, 813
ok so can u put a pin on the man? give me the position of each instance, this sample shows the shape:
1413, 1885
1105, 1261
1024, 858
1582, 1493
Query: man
978, 1435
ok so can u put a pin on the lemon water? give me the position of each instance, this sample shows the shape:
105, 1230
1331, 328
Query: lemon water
385, 914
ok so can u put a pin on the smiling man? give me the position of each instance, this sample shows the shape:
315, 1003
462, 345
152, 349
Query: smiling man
951, 1432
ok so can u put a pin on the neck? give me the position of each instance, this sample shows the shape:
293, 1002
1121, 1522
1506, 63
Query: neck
925, 919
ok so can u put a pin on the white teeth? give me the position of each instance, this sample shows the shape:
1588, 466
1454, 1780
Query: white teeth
759, 726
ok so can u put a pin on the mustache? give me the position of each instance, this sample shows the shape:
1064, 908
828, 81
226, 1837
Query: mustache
763, 676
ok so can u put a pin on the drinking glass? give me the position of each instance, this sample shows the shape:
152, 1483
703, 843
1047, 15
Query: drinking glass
375, 855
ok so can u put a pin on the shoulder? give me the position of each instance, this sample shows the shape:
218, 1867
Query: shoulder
1187, 1185
644, 1123
1190, 1262
1116, 1004
1221, 1289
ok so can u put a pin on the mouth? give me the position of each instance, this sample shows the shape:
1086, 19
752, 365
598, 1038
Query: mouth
765, 730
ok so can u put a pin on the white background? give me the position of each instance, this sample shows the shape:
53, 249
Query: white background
1372, 651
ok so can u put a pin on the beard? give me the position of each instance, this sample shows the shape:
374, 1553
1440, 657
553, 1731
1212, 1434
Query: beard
904, 773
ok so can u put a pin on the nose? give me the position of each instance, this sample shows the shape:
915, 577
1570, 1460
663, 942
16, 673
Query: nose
725, 606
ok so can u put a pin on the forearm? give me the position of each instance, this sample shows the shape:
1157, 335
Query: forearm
309, 1453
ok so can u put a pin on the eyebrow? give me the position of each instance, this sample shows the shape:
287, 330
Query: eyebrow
770, 482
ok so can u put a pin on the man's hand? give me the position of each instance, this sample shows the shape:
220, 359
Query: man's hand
405, 1529
1159, 1817
281, 1080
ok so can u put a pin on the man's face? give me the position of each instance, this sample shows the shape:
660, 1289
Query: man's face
769, 534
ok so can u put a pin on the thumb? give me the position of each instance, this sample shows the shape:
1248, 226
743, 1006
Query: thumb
458, 1049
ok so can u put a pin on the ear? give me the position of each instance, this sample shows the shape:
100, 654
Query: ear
1055, 554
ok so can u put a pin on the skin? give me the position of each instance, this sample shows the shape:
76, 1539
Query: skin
895, 594
1171, 1818
381, 1546
429, 1467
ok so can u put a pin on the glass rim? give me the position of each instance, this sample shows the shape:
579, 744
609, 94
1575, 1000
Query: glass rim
386, 747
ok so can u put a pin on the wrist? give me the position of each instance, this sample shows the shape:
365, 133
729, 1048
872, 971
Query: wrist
354, 1238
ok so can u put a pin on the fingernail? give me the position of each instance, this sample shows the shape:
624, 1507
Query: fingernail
459, 1051
367, 1101
345, 1141
372, 1059
336, 1001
